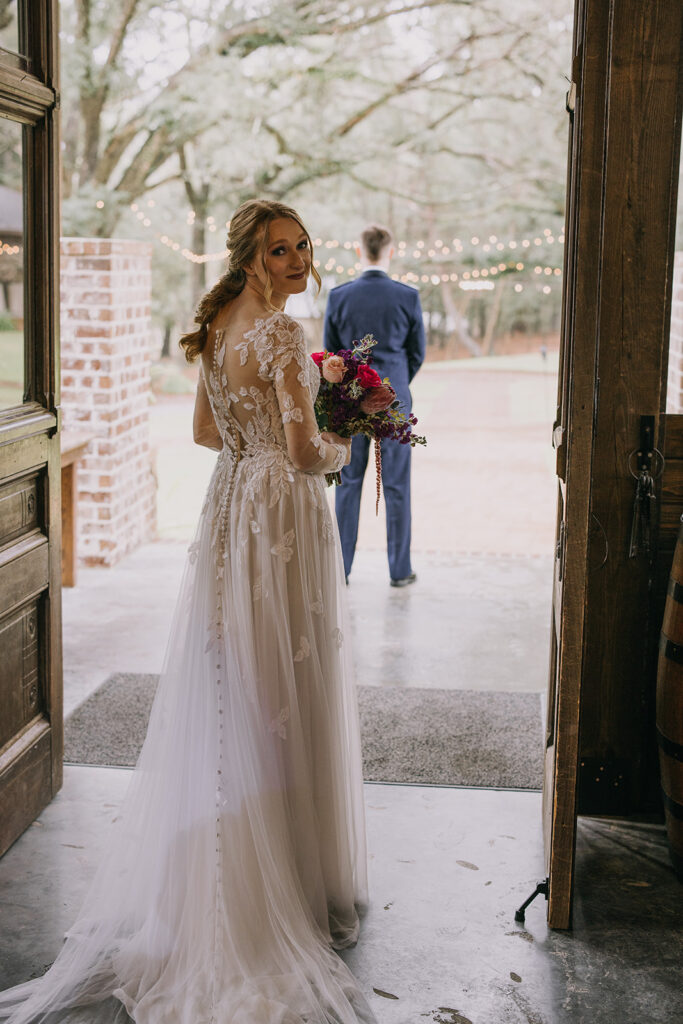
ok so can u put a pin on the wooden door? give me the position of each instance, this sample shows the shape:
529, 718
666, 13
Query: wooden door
623, 171
572, 439
31, 735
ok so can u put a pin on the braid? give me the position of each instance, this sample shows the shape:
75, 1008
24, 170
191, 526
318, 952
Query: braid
226, 288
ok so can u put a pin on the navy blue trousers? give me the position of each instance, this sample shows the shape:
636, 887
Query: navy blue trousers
396, 487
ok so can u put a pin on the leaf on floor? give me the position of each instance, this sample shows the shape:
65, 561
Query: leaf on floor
467, 864
527, 936
386, 995
454, 1016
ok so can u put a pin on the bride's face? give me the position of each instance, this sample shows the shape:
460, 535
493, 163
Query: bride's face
287, 258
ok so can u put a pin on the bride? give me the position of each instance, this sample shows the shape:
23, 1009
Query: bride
237, 866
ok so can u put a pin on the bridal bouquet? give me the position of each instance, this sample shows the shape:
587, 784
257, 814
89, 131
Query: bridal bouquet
353, 399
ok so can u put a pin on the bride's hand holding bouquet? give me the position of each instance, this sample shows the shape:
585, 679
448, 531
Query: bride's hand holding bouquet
331, 438
353, 399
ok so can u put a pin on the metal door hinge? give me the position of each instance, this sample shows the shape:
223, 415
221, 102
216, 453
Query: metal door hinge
570, 101
558, 434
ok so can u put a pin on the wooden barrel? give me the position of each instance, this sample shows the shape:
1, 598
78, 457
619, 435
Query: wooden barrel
670, 708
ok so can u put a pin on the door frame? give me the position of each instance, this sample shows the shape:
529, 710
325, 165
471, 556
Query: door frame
627, 76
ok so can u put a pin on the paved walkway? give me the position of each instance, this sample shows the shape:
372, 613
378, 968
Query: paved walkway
485, 482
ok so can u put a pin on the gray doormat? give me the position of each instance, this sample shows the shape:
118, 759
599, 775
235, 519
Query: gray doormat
429, 737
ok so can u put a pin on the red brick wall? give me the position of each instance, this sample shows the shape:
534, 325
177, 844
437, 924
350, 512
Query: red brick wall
674, 392
105, 361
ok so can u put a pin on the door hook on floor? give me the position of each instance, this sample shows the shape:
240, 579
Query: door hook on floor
542, 888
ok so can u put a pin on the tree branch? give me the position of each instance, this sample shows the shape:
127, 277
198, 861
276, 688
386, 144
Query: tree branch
129, 8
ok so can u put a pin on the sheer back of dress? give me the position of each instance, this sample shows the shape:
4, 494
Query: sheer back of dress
262, 385
243, 401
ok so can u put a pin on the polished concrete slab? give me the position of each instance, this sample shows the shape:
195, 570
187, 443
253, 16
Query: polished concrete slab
440, 945
473, 606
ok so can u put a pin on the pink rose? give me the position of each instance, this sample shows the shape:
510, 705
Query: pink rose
377, 399
333, 369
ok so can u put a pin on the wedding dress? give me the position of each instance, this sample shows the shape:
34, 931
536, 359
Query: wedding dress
238, 862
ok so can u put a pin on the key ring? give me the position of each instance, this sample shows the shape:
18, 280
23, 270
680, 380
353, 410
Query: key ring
639, 453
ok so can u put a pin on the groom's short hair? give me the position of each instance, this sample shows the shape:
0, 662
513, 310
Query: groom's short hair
374, 240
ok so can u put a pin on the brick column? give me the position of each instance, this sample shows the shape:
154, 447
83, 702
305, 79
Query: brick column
105, 360
674, 391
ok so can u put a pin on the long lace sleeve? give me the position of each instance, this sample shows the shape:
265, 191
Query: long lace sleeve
289, 369
204, 427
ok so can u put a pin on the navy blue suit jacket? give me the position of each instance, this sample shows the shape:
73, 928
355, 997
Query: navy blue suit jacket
391, 311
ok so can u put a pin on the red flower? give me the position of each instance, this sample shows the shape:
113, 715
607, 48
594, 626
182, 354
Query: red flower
317, 358
368, 378
378, 399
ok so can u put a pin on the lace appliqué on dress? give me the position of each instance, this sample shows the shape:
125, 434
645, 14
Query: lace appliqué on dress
290, 412
304, 649
284, 549
279, 723
340, 458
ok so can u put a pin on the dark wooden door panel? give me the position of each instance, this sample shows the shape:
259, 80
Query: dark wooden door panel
621, 206
618, 755
26, 779
31, 731
20, 662
18, 508
24, 570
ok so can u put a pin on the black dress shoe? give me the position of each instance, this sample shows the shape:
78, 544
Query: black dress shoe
405, 580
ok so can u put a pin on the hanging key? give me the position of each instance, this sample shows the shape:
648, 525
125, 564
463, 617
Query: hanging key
643, 515
635, 521
649, 501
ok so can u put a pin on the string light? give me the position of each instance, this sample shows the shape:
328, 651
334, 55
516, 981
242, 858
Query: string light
437, 252
477, 286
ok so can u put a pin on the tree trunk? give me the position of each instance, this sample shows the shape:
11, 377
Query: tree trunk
461, 326
166, 344
199, 246
489, 339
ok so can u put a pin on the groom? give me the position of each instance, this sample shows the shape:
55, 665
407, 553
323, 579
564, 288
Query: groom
375, 304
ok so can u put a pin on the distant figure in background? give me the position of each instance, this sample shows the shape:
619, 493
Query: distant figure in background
391, 311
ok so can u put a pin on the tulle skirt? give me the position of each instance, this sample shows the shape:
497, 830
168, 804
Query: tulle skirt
237, 865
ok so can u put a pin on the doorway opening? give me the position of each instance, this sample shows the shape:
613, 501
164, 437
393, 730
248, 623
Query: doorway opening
447, 122
462, 152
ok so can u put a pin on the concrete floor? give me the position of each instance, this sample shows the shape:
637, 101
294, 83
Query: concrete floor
448, 867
